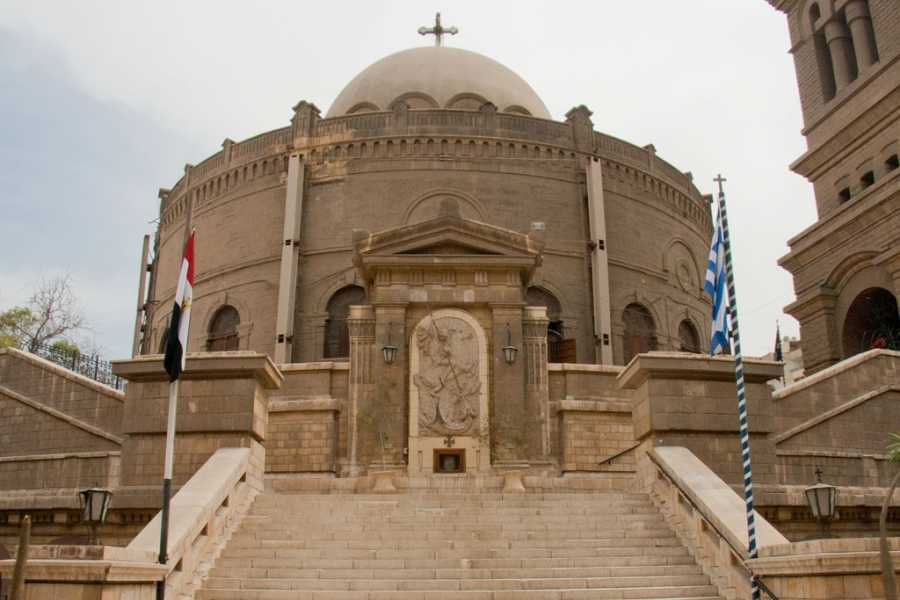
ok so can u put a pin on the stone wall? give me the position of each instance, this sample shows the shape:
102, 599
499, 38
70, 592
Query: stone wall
378, 171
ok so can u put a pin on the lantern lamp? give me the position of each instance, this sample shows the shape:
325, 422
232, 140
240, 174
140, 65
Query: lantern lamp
389, 351
822, 500
94, 507
509, 351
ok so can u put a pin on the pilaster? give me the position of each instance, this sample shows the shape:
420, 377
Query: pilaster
818, 330
303, 123
582, 128
391, 418
290, 260
361, 323
509, 413
537, 388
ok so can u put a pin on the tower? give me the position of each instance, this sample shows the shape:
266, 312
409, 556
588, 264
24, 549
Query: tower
846, 266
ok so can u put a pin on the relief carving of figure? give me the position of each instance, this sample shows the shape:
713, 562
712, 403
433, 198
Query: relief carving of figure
448, 379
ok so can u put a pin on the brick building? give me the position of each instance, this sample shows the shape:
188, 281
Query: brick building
846, 266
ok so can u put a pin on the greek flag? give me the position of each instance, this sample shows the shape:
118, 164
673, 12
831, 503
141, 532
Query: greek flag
715, 287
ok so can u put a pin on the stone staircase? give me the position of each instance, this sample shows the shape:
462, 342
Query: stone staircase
449, 546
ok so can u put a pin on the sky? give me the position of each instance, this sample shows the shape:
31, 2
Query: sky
103, 103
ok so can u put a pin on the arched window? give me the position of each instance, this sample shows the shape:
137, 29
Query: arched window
688, 339
223, 333
872, 322
640, 331
337, 337
559, 349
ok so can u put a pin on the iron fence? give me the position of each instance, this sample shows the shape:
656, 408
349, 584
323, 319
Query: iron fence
89, 365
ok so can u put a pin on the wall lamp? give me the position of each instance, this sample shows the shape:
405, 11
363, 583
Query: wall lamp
509, 351
389, 351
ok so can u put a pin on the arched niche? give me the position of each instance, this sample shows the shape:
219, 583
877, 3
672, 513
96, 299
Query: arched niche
689, 337
222, 332
336, 342
639, 332
428, 206
559, 348
872, 321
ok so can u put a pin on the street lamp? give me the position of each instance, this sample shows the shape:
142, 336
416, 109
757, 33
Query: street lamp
94, 506
389, 351
822, 499
509, 351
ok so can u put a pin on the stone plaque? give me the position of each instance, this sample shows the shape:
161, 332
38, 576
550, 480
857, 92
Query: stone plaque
448, 379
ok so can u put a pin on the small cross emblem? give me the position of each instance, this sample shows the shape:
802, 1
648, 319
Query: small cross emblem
438, 30
720, 180
449, 441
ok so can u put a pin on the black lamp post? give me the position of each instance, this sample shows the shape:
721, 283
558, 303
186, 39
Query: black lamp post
822, 500
389, 351
94, 507
509, 351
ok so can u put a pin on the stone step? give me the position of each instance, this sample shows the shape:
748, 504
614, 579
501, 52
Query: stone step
373, 543
676, 556
398, 571
362, 580
646, 593
513, 535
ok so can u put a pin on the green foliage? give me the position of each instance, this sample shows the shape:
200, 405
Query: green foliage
14, 323
894, 448
65, 346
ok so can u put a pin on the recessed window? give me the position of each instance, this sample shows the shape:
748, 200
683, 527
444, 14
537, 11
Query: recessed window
844, 195
450, 460
867, 179
892, 163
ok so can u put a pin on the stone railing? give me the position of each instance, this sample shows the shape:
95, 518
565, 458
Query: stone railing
708, 517
204, 513
831, 568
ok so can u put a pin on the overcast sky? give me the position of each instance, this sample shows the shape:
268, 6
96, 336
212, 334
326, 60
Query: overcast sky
103, 103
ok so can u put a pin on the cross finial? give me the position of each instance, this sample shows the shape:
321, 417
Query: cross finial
438, 30
720, 180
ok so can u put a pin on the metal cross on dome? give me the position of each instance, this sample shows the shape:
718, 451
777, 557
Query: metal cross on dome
438, 30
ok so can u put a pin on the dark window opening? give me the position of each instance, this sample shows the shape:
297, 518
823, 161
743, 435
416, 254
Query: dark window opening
559, 348
640, 331
892, 163
688, 338
867, 179
844, 195
223, 334
337, 336
451, 460
872, 322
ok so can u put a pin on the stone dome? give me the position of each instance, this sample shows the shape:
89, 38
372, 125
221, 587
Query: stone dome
437, 77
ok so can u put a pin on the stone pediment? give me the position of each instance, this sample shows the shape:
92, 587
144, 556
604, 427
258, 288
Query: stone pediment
448, 241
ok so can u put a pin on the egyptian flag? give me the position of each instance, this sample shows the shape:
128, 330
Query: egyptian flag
176, 342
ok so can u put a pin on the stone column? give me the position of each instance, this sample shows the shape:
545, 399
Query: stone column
390, 395
361, 323
509, 407
537, 388
290, 261
599, 264
838, 38
860, 24
818, 330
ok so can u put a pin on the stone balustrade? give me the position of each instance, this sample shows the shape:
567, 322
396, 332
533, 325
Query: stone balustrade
204, 514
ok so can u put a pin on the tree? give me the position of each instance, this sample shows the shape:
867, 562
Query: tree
51, 313
887, 565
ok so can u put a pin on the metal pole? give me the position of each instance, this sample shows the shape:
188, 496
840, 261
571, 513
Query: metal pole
142, 283
167, 484
739, 381
17, 591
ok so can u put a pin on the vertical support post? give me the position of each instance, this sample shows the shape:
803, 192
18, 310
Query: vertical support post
167, 485
141, 299
290, 260
17, 591
599, 263
361, 323
841, 50
537, 388
739, 382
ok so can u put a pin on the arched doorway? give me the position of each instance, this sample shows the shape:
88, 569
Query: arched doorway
559, 349
223, 334
872, 321
640, 331
688, 338
337, 337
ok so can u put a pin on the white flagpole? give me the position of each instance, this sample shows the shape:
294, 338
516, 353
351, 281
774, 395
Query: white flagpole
167, 484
